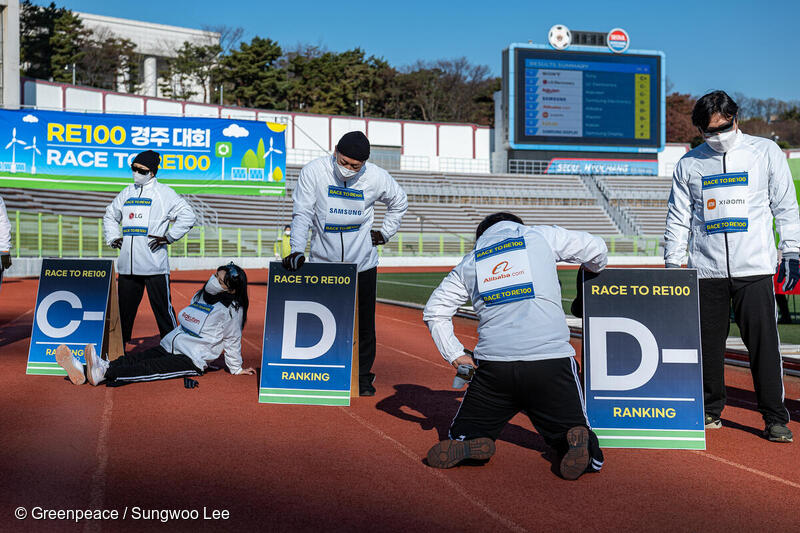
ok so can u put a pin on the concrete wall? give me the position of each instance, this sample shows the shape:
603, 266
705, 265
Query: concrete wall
10, 34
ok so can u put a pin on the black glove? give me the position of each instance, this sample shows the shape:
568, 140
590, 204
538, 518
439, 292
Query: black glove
789, 271
377, 237
6, 260
157, 242
116, 243
293, 261
577, 304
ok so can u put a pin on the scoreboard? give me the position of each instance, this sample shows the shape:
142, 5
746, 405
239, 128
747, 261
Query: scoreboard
582, 99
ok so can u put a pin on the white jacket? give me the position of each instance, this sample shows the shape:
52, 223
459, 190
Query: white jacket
529, 325
146, 210
5, 230
760, 188
205, 331
340, 212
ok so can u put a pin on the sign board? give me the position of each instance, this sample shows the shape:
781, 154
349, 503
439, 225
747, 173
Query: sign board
308, 348
642, 359
91, 151
584, 99
76, 305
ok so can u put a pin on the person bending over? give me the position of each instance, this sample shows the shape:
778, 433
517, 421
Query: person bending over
524, 358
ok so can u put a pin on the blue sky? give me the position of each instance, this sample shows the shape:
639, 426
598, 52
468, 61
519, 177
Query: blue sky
739, 46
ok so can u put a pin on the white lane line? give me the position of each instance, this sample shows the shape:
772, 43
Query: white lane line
442, 364
98, 485
757, 472
467, 495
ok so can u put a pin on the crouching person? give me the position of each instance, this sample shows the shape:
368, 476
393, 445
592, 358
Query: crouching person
523, 360
211, 324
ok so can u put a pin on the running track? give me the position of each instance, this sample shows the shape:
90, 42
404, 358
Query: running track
288, 468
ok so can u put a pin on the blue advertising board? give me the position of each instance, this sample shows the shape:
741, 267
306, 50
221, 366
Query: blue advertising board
71, 306
89, 151
641, 358
308, 334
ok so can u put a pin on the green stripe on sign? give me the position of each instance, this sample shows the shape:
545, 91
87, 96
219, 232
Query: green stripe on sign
46, 371
660, 433
677, 444
303, 400
304, 392
36, 364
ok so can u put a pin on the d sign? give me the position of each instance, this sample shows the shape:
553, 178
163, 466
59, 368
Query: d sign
289, 349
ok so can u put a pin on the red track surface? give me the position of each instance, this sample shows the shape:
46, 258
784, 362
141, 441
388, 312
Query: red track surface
289, 468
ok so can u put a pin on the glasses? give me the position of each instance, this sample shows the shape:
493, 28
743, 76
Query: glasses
140, 170
728, 126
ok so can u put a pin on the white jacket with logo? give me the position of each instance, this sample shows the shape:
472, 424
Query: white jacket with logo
769, 193
129, 208
5, 230
340, 212
522, 330
221, 331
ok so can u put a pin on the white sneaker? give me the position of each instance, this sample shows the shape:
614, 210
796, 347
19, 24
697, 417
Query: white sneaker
95, 366
70, 363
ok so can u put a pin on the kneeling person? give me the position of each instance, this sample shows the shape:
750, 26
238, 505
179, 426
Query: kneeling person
211, 324
524, 359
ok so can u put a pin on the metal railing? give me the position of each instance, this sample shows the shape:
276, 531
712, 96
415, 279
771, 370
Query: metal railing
47, 235
527, 166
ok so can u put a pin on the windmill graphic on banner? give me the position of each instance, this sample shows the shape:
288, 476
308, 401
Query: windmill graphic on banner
269, 153
13, 145
34, 151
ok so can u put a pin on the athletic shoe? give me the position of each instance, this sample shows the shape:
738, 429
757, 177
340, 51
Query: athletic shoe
367, 389
448, 453
712, 422
778, 433
95, 366
576, 460
70, 363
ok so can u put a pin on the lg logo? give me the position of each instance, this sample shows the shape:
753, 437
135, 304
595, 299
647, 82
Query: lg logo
134, 215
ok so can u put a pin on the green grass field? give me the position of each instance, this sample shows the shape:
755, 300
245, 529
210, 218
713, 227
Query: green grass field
416, 288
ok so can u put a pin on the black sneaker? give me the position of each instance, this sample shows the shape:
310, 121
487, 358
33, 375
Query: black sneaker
448, 453
365, 386
778, 433
576, 460
712, 422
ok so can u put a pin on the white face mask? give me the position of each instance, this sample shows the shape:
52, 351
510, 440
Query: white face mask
346, 173
213, 286
723, 142
287, 232
141, 179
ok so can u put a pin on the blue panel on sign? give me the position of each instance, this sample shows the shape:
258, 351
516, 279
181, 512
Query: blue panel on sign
70, 309
308, 334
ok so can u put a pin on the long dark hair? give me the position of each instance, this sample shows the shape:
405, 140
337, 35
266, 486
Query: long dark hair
235, 278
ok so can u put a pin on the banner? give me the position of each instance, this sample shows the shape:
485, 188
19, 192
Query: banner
641, 358
308, 334
87, 151
71, 307
603, 167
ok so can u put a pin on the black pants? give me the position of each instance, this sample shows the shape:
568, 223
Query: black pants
753, 302
548, 391
367, 291
150, 365
131, 290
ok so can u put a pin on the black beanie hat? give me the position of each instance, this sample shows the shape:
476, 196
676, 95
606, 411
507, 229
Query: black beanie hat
150, 159
354, 145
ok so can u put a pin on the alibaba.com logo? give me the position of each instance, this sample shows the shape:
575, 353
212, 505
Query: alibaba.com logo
505, 267
712, 204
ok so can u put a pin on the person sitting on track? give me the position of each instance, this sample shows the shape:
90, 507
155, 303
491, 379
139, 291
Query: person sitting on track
211, 324
525, 360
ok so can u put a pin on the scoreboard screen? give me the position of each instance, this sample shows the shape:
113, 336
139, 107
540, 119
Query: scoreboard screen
595, 100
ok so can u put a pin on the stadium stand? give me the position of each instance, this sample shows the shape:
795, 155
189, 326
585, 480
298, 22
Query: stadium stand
641, 199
